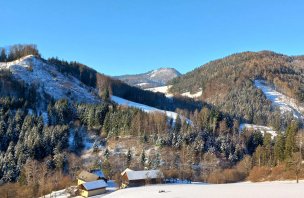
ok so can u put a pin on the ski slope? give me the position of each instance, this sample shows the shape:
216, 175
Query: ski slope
143, 107
285, 103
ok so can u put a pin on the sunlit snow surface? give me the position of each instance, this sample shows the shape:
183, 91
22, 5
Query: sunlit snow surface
281, 189
285, 103
165, 90
143, 107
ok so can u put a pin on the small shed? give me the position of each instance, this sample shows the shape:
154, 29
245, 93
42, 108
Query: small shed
86, 176
92, 188
139, 178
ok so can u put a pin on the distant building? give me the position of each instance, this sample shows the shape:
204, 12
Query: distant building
139, 178
92, 188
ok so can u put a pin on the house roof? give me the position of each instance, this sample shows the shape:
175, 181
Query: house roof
94, 185
125, 171
87, 177
145, 174
98, 172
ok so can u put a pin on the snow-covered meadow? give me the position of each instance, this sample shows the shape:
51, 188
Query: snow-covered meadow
277, 189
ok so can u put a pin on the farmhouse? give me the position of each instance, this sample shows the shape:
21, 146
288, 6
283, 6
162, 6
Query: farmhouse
139, 178
92, 188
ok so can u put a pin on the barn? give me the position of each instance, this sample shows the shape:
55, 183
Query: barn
92, 188
133, 178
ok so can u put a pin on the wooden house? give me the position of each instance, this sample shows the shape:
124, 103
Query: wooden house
132, 178
92, 188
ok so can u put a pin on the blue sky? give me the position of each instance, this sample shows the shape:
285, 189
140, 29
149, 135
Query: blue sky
132, 36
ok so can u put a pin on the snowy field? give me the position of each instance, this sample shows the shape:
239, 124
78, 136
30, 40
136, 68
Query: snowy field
285, 103
282, 189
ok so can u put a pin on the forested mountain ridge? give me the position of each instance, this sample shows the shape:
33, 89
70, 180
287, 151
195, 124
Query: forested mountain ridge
229, 82
155, 78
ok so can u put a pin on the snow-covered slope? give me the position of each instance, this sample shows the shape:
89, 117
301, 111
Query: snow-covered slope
165, 90
260, 128
143, 107
285, 103
35, 72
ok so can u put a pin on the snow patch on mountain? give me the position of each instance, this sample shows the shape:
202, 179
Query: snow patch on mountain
154, 78
285, 103
36, 72
195, 95
262, 129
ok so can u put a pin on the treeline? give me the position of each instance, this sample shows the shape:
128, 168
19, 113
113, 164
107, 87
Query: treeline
78, 70
15, 52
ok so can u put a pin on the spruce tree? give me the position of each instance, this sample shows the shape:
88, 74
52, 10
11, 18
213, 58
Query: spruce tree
143, 158
279, 148
290, 144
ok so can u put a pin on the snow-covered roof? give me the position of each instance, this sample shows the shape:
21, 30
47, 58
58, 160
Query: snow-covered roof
126, 171
98, 172
145, 174
94, 185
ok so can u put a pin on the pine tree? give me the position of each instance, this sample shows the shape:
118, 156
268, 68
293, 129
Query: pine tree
3, 57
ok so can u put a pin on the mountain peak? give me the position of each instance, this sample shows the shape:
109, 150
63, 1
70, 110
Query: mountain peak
154, 78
